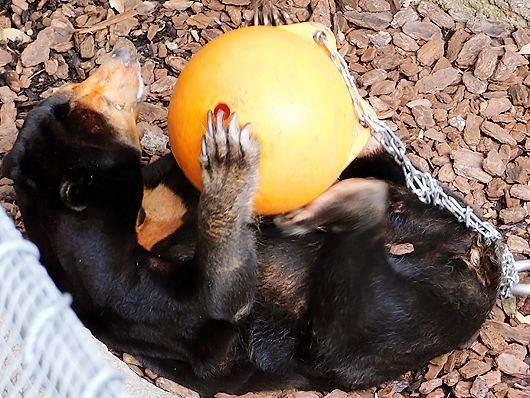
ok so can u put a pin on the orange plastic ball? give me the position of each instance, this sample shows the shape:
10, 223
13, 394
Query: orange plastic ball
286, 85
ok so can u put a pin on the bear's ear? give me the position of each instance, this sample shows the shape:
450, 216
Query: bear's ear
74, 195
10, 167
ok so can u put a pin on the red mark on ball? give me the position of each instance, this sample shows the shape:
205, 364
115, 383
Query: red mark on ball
224, 108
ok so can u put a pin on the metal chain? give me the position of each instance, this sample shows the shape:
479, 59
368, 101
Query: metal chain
424, 185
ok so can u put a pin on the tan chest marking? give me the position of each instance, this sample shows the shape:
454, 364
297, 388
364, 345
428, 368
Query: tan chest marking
163, 215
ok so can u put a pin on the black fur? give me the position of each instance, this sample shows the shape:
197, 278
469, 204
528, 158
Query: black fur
229, 303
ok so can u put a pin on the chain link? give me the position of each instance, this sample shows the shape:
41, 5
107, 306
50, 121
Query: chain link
424, 185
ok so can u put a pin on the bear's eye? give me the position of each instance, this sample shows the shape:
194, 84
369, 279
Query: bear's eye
61, 110
141, 217
72, 196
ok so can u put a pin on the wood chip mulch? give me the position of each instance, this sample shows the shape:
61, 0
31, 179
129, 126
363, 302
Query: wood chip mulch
454, 87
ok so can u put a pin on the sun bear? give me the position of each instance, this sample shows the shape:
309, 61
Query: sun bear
219, 299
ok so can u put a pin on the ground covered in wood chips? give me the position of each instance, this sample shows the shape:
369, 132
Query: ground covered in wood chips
453, 86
